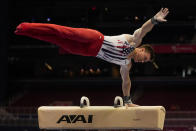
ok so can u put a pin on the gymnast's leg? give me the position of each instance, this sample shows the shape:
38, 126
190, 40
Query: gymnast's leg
80, 41
44, 31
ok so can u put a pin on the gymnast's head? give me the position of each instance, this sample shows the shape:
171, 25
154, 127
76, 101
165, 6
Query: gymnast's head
144, 53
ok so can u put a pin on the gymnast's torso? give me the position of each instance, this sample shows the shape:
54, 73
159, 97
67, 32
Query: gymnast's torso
117, 49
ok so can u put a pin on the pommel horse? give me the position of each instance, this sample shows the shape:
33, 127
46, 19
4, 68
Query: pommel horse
101, 117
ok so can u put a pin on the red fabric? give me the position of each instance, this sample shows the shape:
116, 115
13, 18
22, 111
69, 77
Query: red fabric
79, 41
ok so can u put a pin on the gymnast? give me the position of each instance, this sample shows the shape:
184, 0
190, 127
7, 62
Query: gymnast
118, 49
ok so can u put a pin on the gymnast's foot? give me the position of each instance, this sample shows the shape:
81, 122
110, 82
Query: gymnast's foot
20, 28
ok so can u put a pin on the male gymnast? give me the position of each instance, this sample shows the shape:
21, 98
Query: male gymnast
118, 49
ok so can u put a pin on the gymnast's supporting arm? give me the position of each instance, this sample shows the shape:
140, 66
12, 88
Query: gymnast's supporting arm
126, 84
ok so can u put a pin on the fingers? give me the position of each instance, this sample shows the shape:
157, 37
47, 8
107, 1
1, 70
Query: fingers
162, 20
126, 105
130, 105
167, 13
165, 10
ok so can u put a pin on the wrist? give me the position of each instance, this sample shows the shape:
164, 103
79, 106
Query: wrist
154, 21
127, 100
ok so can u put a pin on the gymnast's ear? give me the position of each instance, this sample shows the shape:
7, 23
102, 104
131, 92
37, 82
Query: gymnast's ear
142, 49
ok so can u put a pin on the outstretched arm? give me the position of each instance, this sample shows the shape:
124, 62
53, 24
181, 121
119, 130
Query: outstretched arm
148, 25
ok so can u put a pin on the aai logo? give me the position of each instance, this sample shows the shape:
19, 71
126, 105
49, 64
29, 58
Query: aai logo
75, 118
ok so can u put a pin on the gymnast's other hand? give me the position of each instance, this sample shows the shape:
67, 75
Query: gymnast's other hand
160, 16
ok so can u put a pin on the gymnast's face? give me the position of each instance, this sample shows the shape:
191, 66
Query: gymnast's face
141, 55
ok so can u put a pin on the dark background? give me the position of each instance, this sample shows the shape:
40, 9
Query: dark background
27, 80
